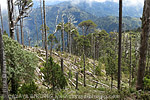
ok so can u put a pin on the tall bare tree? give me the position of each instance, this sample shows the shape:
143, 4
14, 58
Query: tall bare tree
42, 24
130, 61
144, 43
22, 34
37, 30
10, 17
62, 34
45, 31
25, 5
17, 32
120, 38
3, 69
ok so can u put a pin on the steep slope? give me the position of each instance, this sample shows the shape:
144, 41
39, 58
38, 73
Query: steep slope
110, 23
96, 85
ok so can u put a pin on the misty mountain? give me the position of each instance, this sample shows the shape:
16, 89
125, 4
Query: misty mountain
101, 9
108, 8
109, 23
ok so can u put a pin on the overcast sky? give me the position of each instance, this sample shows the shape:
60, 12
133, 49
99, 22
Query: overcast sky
126, 2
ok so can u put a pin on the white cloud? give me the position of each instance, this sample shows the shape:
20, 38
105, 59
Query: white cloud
3, 4
126, 2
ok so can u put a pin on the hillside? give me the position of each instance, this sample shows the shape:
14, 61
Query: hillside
75, 50
95, 85
101, 9
108, 23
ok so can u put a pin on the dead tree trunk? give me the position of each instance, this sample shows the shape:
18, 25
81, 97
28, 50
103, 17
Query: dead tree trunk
3, 69
62, 35
70, 36
62, 66
21, 28
76, 80
112, 81
45, 31
17, 32
36, 31
42, 24
120, 37
144, 43
10, 17
1, 20
94, 55
29, 38
84, 57
51, 48
130, 63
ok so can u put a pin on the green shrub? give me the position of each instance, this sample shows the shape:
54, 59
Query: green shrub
147, 83
21, 64
1, 98
98, 71
53, 74
145, 96
70, 74
141, 95
132, 90
101, 89
28, 88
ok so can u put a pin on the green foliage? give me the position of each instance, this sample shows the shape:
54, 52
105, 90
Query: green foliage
52, 38
53, 74
87, 23
132, 90
5, 33
111, 63
28, 88
147, 83
1, 98
145, 96
20, 62
47, 28
141, 95
98, 70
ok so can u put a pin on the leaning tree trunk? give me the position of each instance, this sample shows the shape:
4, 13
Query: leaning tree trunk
45, 31
3, 69
144, 44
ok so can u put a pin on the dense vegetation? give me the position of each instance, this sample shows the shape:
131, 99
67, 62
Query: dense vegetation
68, 56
